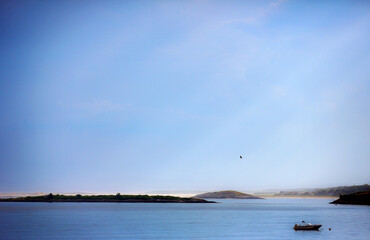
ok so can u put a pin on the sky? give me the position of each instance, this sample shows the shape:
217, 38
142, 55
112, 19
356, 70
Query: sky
139, 96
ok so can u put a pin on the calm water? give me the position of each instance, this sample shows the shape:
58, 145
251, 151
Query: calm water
230, 219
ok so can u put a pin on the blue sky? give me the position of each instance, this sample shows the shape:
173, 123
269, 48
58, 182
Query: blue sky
136, 96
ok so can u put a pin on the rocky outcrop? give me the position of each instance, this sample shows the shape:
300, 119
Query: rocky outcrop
360, 198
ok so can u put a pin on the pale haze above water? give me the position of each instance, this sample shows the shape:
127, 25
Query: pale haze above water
137, 96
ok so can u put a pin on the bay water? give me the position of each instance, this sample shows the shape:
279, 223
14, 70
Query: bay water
271, 218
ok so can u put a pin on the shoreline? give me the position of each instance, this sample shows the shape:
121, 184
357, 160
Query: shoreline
118, 198
116, 201
322, 197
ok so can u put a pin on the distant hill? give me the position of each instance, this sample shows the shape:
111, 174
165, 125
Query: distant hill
359, 198
226, 194
325, 192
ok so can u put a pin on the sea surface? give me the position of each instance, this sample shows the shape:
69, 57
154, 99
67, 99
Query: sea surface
229, 219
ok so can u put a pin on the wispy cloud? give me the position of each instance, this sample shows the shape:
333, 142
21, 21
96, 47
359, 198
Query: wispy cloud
259, 15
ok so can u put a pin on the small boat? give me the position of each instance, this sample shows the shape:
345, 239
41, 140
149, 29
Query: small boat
307, 227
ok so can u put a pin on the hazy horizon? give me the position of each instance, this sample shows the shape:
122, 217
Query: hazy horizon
181, 193
138, 96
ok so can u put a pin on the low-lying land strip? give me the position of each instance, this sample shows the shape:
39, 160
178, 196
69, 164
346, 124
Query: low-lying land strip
105, 198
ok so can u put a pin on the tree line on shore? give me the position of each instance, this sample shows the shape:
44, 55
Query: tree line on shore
116, 197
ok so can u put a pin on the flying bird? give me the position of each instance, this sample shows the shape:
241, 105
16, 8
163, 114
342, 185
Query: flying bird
241, 157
